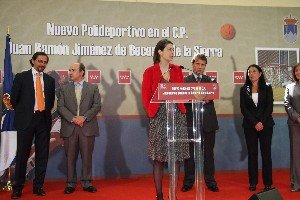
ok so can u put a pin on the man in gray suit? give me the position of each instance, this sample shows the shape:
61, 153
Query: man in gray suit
209, 124
78, 104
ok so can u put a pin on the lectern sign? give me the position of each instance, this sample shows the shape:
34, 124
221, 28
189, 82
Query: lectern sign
188, 91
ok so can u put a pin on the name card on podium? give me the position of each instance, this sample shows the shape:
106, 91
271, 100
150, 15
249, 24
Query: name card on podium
181, 92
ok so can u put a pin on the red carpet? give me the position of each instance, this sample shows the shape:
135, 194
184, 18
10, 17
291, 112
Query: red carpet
233, 186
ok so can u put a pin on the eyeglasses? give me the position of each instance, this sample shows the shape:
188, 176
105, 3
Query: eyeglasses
42, 62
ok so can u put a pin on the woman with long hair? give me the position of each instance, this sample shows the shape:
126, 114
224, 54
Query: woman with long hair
256, 102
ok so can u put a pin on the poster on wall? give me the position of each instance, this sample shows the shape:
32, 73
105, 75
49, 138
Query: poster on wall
277, 64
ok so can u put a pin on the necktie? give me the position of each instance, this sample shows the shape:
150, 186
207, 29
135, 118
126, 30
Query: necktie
198, 79
39, 93
78, 96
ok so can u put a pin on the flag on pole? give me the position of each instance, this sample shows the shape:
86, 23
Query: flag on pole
8, 133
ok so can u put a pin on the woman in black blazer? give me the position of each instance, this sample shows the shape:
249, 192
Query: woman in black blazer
256, 102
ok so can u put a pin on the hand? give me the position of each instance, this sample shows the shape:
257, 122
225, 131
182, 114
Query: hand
79, 120
6, 101
298, 120
75, 120
259, 126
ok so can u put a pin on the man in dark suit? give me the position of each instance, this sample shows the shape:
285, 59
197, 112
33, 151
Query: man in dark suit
32, 98
78, 105
209, 126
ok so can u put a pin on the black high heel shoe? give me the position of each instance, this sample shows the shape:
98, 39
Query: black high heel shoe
160, 197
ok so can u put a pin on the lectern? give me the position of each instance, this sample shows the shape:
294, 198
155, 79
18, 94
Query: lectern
196, 93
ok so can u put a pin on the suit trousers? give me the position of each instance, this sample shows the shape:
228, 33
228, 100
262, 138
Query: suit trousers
294, 132
37, 129
265, 139
208, 143
73, 144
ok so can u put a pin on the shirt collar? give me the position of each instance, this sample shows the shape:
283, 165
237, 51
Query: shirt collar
80, 83
34, 72
196, 76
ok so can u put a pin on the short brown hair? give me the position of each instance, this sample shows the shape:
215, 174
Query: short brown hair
199, 57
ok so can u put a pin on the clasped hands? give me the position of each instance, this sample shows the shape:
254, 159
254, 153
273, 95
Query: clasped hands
259, 126
78, 120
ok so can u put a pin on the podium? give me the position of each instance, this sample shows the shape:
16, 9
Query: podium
195, 93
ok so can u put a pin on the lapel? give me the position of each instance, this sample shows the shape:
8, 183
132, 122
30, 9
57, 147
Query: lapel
190, 79
71, 91
46, 87
29, 79
84, 91
204, 79
261, 94
249, 88
157, 73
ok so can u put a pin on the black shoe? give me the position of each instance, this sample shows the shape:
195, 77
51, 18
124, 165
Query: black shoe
69, 190
17, 193
160, 197
213, 188
252, 187
91, 189
39, 192
267, 187
186, 188
295, 189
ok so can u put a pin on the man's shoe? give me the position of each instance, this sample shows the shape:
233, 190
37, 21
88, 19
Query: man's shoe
16, 194
252, 187
295, 189
39, 192
69, 190
267, 187
186, 188
91, 189
213, 188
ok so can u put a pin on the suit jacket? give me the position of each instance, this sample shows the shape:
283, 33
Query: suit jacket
210, 122
90, 105
151, 77
23, 99
260, 113
292, 103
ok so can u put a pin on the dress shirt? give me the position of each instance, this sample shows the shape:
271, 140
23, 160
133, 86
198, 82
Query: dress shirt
34, 73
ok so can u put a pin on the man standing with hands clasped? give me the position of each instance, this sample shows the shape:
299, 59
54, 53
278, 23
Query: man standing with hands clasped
209, 124
78, 104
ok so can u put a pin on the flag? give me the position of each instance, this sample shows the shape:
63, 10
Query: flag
8, 133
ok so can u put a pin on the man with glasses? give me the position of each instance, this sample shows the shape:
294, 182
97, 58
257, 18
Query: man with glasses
32, 97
